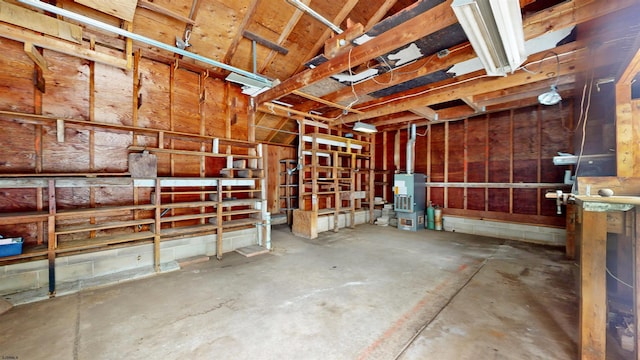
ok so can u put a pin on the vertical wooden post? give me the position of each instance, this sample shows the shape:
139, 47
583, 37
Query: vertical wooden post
593, 285
539, 196
446, 165
158, 225
486, 161
465, 168
372, 176
511, 161
636, 278
52, 240
219, 221
428, 163
570, 248
385, 167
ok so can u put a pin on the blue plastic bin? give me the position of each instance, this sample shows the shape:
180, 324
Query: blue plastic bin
13, 248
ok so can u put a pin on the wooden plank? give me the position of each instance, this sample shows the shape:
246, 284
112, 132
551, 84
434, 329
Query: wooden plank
61, 46
570, 247
233, 46
626, 142
35, 56
325, 102
593, 285
253, 250
122, 9
146, 4
187, 152
40, 23
264, 42
421, 25
619, 185
102, 226
468, 85
100, 241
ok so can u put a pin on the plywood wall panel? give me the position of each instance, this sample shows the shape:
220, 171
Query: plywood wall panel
72, 198
499, 147
525, 201
556, 128
16, 85
476, 199
157, 26
456, 158
67, 86
455, 198
215, 107
420, 163
154, 110
437, 196
72, 155
186, 115
110, 151
17, 153
437, 153
499, 200
526, 138
525, 170
113, 95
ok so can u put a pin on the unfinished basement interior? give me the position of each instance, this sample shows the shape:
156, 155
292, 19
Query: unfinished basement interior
312, 179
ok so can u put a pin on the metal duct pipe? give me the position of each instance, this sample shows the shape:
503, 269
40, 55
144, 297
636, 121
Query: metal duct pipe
160, 45
302, 6
411, 148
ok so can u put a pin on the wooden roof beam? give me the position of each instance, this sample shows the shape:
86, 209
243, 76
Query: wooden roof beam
469, 85
416, 28
558, 17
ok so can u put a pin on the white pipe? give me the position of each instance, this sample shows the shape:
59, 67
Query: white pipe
302, 6
160, 45
411, 148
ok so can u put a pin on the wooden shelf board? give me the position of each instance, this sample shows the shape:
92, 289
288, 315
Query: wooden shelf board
103, 210
71, 245
189, 204
241, 212
187, 230
189, 152
187, 217
22, 217
240, 222
28, 252
102, 226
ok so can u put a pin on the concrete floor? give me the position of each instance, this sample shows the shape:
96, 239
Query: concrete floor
369, 293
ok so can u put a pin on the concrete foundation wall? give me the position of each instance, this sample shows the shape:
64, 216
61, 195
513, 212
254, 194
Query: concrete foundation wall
99, 268
325, 222
504, 230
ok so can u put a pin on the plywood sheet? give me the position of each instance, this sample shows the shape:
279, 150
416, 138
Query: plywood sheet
123, 9
186, 116
16, 85
456, 159
215, 107
222, 18
17, 153
154, 91
113, 95
110, 151
437, 153
67, 89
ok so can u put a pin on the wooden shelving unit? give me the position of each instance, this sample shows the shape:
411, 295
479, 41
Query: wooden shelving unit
177, 207
288, 188
335, 176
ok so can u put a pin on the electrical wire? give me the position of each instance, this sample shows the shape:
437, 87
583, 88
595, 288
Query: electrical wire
584, 122
618, 279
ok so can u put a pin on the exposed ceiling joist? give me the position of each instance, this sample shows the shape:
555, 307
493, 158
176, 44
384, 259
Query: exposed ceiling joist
418, 27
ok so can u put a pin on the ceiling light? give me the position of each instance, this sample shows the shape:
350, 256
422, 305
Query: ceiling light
494, 28
364, 127
550, 97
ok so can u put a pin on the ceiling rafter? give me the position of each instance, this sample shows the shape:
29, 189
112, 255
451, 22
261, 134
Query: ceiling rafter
236, 39
338, 19
474, 83
284, 35
413, 29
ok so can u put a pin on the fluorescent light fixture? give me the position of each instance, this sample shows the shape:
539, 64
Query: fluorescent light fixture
250, 86
494, 28
364, 127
